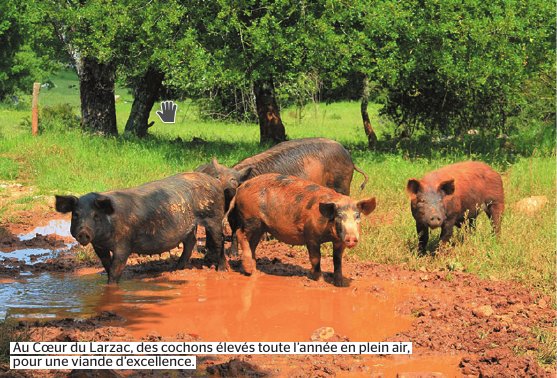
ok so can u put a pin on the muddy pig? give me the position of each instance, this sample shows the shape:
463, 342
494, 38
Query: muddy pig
323, 161
448, 196
149, 219
299, 212
230, 179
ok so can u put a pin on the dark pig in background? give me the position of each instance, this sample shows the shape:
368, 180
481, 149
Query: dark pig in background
149, 219
298, 212
230, 179
448, 196
323, 161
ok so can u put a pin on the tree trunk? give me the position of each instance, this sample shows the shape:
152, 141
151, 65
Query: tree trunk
270, 125
96, 88
371, 137
146, 92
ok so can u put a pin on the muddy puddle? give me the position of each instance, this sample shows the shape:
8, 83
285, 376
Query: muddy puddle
59, 295
60, 227
232, 307
216, 307
37, 246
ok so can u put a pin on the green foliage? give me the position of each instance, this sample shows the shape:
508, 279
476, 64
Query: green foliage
20, 65
296, 45
10, 40
59, 118
455, 66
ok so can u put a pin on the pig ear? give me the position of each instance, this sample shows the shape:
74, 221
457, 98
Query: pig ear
244, 174
104, 203
367, 206
327, 210
65, 204
447, 187
215, 163
413, 186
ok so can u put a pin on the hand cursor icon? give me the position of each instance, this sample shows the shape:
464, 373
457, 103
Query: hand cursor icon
167, 114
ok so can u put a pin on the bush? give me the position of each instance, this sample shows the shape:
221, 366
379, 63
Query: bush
453, 66
59, 118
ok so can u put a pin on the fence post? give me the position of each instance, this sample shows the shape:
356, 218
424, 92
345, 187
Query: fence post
35, 109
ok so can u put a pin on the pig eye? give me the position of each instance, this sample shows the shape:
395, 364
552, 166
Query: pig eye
233, 181
357, 215
96, 217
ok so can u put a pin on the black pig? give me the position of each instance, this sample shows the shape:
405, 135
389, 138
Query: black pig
149, 219
230, 179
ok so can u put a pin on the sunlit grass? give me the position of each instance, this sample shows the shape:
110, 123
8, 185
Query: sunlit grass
73, 162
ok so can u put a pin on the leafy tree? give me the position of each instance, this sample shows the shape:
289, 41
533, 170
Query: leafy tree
19, 64
10, 39
264, 44
162, 54
458, 65
91, 35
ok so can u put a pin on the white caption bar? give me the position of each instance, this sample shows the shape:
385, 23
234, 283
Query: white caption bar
163, 348
102, 362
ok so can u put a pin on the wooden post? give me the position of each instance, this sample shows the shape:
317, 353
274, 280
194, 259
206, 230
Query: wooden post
35, 109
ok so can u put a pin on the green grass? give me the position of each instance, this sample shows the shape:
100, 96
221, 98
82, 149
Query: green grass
73, 162
9, 332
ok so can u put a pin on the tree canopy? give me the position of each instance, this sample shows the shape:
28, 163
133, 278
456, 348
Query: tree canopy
439, 66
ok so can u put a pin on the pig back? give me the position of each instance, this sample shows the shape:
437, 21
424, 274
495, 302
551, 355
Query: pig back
476, 185
320, 160
287, 206
158, 215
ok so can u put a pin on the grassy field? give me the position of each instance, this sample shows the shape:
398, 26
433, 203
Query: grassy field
73, 162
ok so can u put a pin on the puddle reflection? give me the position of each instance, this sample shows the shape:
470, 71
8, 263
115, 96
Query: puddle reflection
60, 227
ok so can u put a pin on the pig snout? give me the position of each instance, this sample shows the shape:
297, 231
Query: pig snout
351, 241
435, 221
84, 236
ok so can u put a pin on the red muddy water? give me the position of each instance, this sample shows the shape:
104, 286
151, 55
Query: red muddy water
233, 307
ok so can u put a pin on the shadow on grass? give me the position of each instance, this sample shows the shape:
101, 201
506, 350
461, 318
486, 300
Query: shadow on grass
499, 151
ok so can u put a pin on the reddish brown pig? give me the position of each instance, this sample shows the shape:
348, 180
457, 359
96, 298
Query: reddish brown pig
299, 212
448, 196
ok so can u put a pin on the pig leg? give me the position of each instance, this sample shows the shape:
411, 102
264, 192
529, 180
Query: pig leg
423, 237
215, 245
446, 233
495, 212
233, 227
189, 243
338, 250
247, 261
104, 256
119, 259
234, 245
248, 240
315, 259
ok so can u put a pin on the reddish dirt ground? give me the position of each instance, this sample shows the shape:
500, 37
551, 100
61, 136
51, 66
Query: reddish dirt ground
460, 325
